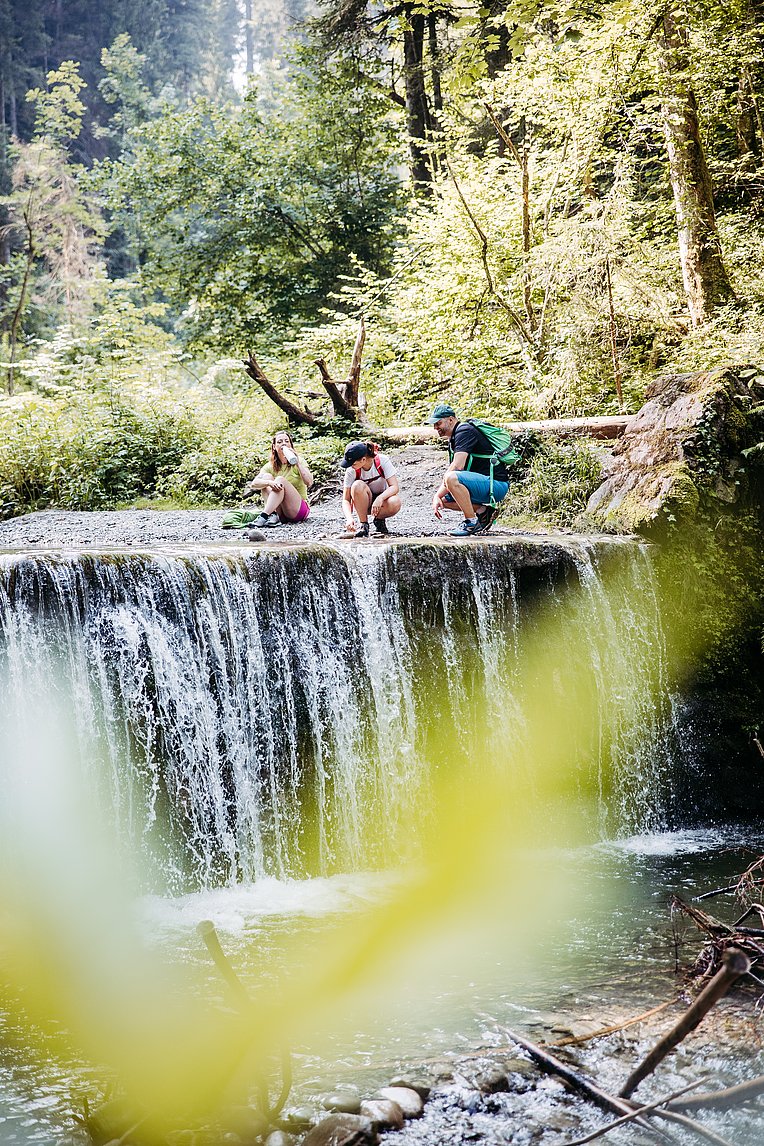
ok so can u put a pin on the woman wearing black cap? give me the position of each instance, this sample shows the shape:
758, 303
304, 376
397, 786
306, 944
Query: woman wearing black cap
370, 488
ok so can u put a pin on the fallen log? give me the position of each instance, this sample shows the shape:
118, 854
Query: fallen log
605, 427
736, 963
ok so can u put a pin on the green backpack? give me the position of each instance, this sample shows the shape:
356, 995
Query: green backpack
504, 452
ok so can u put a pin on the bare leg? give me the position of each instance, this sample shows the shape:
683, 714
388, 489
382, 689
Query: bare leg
291, 502
362, 499
387, 508
273, 500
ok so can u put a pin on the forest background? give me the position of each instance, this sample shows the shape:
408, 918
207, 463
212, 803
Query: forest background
535, 206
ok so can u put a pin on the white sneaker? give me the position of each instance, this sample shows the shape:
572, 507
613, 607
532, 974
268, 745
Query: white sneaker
271, 520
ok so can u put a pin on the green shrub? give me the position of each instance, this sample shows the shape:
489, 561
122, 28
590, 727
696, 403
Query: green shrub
554, 483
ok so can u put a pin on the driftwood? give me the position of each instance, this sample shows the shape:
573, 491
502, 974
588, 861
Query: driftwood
575, 1040
689, 1124
578, 1082
736, 963
648, 1109
344, 396
724, 936
722, 1099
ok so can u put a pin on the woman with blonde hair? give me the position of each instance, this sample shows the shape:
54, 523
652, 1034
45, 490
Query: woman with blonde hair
284, 482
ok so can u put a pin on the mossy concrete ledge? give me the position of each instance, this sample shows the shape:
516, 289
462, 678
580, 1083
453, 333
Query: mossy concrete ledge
684, 447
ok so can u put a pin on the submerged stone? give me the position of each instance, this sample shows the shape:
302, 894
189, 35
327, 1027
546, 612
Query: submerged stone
342, 1103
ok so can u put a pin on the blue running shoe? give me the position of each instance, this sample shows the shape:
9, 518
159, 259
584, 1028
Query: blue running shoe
467, 529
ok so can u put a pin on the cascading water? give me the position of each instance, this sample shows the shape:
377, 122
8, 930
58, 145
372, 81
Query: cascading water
268, 712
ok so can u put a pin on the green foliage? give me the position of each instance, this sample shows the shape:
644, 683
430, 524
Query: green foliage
298, 182
58, 108
553, 483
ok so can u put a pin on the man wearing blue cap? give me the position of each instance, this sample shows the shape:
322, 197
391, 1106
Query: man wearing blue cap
468, 484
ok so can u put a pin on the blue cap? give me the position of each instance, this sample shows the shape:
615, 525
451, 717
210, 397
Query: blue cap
442, 410
353, 453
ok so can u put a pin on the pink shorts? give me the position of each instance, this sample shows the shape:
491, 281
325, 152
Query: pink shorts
302, 513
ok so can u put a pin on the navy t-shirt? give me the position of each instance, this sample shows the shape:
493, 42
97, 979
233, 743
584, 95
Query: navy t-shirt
470, 440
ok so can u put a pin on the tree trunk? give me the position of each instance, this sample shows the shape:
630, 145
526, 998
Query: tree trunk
418, 123
249, 38
495, 36
437, 95
705, 278
745, 123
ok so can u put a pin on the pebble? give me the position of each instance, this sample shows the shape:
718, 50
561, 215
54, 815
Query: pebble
383, 1113
342, 1130
342, 1103
409, 1101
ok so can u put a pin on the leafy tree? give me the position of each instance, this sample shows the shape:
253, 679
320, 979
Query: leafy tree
246, 216
53, 228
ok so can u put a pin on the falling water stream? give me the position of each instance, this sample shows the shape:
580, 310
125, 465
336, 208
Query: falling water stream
258, 724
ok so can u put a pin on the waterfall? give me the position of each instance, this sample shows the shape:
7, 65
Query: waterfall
244, 713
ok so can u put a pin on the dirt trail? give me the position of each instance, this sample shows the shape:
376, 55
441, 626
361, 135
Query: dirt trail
419, 471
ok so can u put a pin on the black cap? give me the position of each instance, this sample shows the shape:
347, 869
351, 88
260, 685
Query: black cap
353, 453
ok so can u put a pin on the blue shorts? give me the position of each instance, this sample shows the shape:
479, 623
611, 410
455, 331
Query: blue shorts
479, 486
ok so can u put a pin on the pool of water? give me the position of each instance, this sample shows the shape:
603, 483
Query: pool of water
616, 955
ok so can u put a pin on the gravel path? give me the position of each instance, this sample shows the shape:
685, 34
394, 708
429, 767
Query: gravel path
419, 470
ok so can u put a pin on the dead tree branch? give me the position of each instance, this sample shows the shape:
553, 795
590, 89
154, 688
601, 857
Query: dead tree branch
341, 407
576, 1039
722, 1099
610, 1102
651, 1106
514, 316
346, 396
736, 963
297, 415
521, 159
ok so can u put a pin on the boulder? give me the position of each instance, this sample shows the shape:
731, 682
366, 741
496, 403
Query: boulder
686, 443
383, 1112
342, 1130
409, 1101
343, 1102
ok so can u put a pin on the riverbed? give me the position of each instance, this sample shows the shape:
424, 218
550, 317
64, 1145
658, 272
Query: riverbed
620, 955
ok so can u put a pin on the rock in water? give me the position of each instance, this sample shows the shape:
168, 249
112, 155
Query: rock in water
342, 1130
279, 1138
409, 1101
342, 1103
383, 1112
420, 1085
